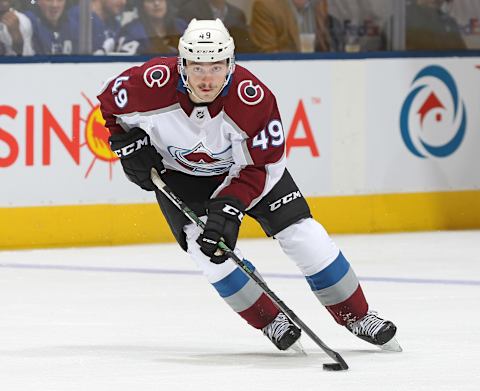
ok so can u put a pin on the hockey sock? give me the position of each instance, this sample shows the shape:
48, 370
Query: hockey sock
328, 273
338, 289
246, 298
240, 292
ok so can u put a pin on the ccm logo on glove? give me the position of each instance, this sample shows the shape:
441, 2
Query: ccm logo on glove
224, 217
137, 156
233, 211
130, 148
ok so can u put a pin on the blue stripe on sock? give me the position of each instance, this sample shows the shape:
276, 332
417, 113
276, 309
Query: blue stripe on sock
249, 264
232, 283
330, 275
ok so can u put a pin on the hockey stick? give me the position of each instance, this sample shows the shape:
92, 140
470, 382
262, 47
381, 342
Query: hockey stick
340, 363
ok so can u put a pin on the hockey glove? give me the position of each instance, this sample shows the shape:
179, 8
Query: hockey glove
137, 156
224, 216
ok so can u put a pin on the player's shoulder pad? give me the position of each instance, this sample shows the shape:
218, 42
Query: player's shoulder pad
248, 90
250, 104
147, 87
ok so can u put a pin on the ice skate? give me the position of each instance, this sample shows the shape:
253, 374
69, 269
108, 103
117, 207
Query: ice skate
376, 330
283, 333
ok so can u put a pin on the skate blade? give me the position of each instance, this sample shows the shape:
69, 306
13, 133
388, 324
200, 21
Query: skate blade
298, 348
391, 346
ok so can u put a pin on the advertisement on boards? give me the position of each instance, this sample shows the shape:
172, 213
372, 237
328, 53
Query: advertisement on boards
54, 146
304, 95
428, 135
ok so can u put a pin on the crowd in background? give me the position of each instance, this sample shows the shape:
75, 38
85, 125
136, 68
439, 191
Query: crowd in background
151, 27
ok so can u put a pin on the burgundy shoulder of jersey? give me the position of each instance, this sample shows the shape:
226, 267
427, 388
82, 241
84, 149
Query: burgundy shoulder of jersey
143, 88
250, 104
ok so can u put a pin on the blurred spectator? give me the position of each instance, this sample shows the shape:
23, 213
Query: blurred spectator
429, 27
52, 31
467, 15
367, 24
328, 29
155, 31
232, 17
130, 12
105, 23
294, 26
15, 31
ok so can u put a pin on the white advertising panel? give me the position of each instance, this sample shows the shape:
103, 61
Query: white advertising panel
423, 125
304, 96
53, 146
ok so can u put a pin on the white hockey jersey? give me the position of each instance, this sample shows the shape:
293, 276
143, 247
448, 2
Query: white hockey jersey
239, 135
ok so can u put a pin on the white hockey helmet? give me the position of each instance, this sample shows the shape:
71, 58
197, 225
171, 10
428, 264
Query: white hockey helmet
206, 41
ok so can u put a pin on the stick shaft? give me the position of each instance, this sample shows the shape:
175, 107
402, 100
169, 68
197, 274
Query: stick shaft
161, 185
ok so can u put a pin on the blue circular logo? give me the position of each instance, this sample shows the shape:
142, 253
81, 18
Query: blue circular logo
431, 105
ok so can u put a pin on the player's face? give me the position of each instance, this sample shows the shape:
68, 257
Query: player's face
206, 79
156, 9
114, 7
52, 10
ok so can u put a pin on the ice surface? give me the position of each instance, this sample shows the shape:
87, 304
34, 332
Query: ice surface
142, 318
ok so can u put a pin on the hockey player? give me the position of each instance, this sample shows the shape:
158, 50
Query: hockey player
215, 130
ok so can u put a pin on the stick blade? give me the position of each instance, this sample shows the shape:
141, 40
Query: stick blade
334, 367
339, 365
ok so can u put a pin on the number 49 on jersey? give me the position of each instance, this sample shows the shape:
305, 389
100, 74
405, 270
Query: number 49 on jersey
272, 135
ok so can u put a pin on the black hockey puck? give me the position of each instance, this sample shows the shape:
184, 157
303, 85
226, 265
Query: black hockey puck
333, 367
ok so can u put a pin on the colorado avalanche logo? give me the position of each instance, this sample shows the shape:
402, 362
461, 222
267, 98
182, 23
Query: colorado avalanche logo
249, 93
201, 160
436, 108
157, 75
